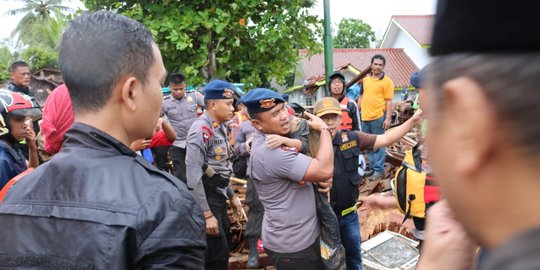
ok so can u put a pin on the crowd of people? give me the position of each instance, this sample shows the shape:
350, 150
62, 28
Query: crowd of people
112, 175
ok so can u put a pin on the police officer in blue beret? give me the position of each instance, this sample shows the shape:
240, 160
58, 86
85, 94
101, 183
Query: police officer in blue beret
283, 179
209, 167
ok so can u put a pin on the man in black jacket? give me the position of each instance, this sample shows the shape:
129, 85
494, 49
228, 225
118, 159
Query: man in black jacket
19, 72
97, 204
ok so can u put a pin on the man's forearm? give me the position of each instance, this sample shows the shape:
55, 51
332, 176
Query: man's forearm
388, 110
295, 143
393, 135
325, 154
33, 160
169, 131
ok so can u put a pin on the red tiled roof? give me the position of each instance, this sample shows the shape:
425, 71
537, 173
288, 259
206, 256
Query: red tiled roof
419, 26
399, 66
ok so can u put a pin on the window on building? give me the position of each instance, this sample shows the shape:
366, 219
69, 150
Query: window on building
310, 100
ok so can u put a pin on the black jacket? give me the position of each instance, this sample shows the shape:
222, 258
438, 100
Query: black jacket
98, 205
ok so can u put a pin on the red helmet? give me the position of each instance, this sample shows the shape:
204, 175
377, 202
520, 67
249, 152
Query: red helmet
14, 103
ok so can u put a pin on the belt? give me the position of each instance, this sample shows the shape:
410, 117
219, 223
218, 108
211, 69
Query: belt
349, 210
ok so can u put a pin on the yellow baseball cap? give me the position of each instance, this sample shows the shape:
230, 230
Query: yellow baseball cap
327, 105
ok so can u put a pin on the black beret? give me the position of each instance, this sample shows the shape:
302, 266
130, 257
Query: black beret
496, 26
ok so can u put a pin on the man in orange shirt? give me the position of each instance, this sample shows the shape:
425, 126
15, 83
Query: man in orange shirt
375, 104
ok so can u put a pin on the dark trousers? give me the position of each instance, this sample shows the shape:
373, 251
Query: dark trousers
255, 213
349, 230
178, 156
161, 157
217, 250
307, 259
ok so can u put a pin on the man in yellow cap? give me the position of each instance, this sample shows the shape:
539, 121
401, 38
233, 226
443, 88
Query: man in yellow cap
345, 189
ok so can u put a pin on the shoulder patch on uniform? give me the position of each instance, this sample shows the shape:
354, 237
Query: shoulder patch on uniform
189, 99
207, 133
290, 149
344, 137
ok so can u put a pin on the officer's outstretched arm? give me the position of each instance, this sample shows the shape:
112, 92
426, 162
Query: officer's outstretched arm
321, 167
398, 132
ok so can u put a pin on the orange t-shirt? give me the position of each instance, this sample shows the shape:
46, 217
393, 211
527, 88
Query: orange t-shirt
376, 93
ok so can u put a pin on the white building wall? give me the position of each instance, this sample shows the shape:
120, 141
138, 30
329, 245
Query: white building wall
418, 55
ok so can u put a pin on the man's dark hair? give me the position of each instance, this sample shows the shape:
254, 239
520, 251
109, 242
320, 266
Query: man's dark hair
176, 78
17, 64
379, 56
99, 48
509, 87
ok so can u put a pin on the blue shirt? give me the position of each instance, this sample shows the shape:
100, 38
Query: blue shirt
354, 91
12, 163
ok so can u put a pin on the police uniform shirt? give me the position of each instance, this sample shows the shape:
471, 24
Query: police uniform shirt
207, 143
240, 138
290, 221
181, 114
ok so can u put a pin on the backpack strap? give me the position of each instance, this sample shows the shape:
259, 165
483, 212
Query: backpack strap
411, 198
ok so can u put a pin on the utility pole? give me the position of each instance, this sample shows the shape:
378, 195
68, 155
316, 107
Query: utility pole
328, 64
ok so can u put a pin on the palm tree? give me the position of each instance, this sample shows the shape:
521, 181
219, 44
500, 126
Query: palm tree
46, 36
37, 11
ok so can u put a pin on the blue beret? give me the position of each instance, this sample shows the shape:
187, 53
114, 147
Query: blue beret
261, 100
218, 89
416, 79
285, 97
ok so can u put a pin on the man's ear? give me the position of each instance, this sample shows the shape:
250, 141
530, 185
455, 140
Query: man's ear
256, 124
473, 123
130, 90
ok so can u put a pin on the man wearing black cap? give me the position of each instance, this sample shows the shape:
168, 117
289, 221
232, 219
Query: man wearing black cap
282, 178
483, 135
349, 108
209, 167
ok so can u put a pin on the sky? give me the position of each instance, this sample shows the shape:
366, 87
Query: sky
8, 22
376, 13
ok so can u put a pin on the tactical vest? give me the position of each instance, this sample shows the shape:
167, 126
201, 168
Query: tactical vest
345, 186
346, 120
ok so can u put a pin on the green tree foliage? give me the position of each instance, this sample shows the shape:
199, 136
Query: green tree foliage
39, 32
38, 58
39, 12
353, 33
6, 57
46, 35
249, 41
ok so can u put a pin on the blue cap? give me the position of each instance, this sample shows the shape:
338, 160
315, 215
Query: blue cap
416, 79
261, 100
285, 97
218, 89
